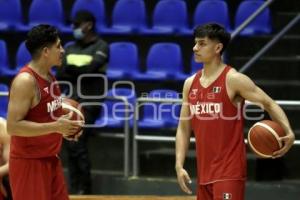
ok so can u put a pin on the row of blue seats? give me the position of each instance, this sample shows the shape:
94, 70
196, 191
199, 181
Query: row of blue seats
164, 62
129, 16
152, 115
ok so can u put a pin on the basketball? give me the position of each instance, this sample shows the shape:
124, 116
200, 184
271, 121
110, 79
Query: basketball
263, 138
70, 105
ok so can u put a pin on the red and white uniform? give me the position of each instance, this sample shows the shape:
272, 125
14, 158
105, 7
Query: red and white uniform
35, 170
218, 128
46, 110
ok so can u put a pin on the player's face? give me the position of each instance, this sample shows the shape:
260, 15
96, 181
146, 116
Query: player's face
55, 54
206, 49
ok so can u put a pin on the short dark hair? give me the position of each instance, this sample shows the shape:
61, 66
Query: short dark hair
214, 32
41, 36
84, 16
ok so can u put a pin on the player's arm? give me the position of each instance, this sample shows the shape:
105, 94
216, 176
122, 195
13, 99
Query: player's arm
244, 87
5, 141
183, 139
183, 133
22, 93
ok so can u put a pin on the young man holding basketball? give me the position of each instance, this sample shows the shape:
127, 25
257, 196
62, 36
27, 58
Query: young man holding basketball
36, 123
213, 99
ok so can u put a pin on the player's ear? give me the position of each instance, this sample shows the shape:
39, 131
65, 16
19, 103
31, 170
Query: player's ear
45, 51
41, 52
219, 47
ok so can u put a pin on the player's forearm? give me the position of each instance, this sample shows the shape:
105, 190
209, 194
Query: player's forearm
4, 170
182, 145
278, 115
30, 129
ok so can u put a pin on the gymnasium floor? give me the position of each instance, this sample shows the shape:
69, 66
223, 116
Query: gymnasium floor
95, 197
118, 188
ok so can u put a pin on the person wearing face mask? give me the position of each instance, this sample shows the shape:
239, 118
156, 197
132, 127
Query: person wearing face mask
83, 61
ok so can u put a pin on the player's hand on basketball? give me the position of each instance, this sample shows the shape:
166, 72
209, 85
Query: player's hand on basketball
184, 179
68, 127
74, 137
77, 135
287, 142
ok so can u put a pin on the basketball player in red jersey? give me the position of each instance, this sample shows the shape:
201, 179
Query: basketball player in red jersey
36, 123
213, 99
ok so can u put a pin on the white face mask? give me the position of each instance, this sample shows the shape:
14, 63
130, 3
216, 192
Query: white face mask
78, 34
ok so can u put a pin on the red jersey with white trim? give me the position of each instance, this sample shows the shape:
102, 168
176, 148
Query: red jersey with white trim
47, 110
218, 128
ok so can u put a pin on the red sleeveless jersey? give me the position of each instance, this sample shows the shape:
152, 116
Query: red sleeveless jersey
47, 110
218, 128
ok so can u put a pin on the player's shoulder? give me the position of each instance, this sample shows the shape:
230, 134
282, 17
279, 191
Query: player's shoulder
23, 84
237, 80
234, 76
24, 79
190, 78
232, 73
188, 81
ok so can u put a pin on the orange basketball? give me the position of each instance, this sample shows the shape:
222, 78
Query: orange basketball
70, 105
263, 138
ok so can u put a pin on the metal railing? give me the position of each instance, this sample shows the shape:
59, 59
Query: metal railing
154, 138
124, 135
292, 23
251, 18
3, 93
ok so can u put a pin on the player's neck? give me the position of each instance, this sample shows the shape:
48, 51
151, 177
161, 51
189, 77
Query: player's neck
213, 67
39, 67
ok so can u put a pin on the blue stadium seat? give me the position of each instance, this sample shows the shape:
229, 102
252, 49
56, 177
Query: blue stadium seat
164, 62
182, 76
128, 17
50, 12
212, 11
96, 7
10, 15
123, 61
113, 111
3, 101
5, 69
160, 114
260, 25
23, 56
169, 17
21, 59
